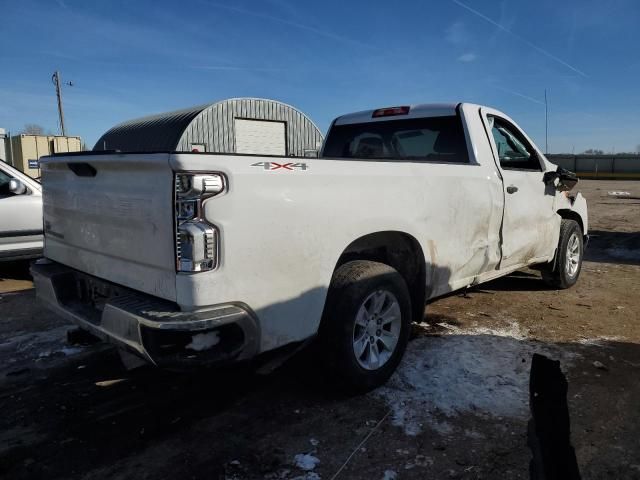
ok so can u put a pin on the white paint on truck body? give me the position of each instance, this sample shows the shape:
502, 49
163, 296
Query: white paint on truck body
282, 231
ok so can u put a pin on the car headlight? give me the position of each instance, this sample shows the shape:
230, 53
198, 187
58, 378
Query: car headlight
197, 241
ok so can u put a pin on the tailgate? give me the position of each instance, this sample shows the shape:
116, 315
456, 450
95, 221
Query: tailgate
111, 215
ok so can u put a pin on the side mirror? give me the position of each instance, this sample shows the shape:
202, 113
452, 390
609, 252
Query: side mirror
562, 179
17, 187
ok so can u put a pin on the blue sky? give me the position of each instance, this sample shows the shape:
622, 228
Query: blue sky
132, 58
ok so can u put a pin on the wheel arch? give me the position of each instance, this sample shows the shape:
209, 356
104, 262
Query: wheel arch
399, 250
568, 214
575, 208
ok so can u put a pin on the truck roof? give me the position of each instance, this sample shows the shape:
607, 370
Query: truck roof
415, 111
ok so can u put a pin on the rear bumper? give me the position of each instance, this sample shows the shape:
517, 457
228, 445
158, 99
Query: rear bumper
151, 328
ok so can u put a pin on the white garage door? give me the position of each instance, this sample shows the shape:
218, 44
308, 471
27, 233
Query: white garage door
260, 137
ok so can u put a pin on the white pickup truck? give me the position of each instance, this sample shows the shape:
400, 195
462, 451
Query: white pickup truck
188, 259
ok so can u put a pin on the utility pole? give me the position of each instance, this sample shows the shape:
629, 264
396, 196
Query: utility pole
56, 81
546, 124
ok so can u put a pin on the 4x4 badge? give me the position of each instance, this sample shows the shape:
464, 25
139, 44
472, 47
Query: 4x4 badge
280, 166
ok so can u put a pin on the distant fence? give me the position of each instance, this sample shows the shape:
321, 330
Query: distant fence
600, 166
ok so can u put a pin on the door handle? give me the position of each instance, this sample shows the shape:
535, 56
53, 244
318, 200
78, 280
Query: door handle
512, 189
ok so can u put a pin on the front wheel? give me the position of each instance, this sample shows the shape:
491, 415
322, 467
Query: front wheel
568, 261
365, 325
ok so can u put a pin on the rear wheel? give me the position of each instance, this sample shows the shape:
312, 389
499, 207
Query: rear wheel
365, 325
568, 261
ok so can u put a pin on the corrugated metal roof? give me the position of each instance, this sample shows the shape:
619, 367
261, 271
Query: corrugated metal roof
210, 125
160, 132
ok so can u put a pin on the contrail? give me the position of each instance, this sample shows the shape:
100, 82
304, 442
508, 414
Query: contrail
237, 68
301, 26
522, 39
513, 92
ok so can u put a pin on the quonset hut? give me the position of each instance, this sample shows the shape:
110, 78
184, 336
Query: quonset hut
238, 125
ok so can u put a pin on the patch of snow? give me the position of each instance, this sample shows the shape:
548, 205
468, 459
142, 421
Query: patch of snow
473, 434
483, 371
599, 365
203, 341
512, 330
307, 476
39, 345
599, 341
68, 351
419, 461
27, 340
389, 475
307, 462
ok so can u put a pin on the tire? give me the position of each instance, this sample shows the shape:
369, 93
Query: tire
568, 261
364, 302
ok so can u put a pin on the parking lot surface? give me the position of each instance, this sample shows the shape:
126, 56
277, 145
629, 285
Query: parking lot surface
457, 408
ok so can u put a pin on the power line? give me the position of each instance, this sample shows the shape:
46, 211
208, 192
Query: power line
57, 83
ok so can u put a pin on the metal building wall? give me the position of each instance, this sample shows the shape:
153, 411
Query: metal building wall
214, 126
599, 166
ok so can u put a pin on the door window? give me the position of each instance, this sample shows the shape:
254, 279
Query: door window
513, 149
4, 184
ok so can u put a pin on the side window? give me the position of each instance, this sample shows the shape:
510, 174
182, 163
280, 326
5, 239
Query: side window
513, 150
4, 184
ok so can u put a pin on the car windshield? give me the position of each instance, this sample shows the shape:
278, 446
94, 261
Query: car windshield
433, 138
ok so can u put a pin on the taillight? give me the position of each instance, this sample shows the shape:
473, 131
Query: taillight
198, 186
197, 241
390, 111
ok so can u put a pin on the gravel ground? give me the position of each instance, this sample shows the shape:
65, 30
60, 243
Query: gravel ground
457, 408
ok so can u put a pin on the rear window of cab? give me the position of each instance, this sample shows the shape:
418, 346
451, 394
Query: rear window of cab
438, 139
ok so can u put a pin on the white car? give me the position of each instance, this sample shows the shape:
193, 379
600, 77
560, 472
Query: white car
20, 215
187, 258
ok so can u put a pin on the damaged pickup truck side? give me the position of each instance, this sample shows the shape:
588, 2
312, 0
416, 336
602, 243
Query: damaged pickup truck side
185, 259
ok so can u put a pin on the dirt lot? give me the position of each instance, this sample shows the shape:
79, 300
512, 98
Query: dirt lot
457, 408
